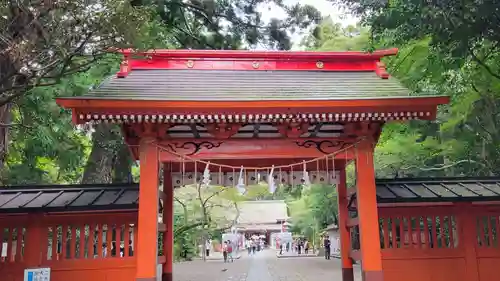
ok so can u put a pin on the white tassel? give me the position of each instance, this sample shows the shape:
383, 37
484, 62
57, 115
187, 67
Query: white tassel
272, 185
307, 181
241, 183
206, 176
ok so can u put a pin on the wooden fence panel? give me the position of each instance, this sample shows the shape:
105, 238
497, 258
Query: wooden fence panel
76, 247
458, 242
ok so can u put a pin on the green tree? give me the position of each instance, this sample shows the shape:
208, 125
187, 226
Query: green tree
446, 50
47, 50
314, 210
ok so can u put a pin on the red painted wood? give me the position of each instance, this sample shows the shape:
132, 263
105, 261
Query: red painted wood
126, 242
266, 55
239, 107
243, 151
256, 65
168, 220
82, 247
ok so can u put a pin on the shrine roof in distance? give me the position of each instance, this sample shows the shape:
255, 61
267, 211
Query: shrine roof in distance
202, 86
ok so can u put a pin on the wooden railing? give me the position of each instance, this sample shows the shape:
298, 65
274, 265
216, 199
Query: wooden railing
84, 245
12, 244
66, 237
455, 242
417, 231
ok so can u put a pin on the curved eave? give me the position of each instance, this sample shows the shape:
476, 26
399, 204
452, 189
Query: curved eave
166, 111
393, 102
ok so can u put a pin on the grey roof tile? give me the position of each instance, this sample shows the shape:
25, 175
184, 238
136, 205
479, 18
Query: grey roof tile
438, 189
86, 198
20, 200
262, 211
68, 198
244, 85
64, 198
41, 200
129, 197
108, 197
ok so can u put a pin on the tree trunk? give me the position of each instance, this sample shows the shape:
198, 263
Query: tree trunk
7, 68
5, 119
122, 166
99, 169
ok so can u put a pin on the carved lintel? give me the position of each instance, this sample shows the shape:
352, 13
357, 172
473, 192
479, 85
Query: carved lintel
324, 145
223, 131
365, 128
293, 130
158, 131
163, 131
350, 129
190, 148
148, 130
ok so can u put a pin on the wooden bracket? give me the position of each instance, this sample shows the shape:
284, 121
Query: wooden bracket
350, 129
158, 131
293, 130
124, 69
223, 131
381, 71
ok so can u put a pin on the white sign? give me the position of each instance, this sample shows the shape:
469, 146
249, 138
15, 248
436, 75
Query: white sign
159, 272
37, 274
4, 250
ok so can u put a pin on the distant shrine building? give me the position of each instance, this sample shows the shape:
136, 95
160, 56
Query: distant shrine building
262, 218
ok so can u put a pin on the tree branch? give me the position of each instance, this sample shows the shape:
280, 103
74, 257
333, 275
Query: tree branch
442, 166
484, 65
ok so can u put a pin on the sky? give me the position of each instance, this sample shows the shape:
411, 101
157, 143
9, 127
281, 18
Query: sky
324, 6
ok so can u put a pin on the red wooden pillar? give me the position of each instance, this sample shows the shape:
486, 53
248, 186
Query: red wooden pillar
147, 238
168, 220
34, 242
371, 258
345, 236
467, 225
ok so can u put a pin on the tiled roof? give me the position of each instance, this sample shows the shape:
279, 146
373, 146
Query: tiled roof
244, 85
54, 198
438, 190
259, 227
68, 198
262, 212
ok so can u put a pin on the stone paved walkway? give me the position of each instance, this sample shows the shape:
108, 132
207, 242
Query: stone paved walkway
264, 266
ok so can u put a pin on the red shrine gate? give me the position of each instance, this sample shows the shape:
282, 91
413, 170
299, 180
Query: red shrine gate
240, 108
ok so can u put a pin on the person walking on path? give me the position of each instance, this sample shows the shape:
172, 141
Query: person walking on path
306, 247
229, 251
299, 246
249, 247
208, 246
224, 251
326, 244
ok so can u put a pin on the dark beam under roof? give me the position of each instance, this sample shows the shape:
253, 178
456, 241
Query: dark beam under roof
102, 197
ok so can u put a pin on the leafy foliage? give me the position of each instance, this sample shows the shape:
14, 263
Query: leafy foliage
314, 210
231, 24
450, 49
462, 141
45, 41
